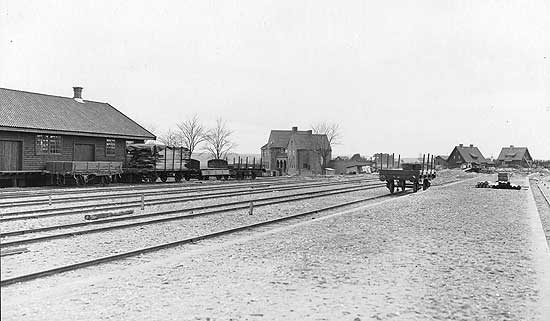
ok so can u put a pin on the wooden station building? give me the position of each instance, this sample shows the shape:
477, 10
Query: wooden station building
38, 128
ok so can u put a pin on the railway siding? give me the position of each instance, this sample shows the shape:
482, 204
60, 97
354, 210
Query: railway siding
452, 252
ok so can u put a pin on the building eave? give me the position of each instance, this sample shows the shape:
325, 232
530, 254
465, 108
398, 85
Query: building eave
74, 133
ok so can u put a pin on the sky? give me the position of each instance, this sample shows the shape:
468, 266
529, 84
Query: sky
403, 77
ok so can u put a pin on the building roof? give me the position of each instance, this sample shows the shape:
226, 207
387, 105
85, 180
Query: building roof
444, 157
303, 139
513, 153
26, 111
471, 154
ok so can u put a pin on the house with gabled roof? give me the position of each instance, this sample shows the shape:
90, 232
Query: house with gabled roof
37, 128
514, 157
295, 152
465, 157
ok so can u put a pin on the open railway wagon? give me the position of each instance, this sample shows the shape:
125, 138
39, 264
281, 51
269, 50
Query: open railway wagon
220, 169
408, 175
149, 162
82, 173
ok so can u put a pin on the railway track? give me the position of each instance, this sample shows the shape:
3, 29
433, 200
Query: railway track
7, 194
157, 191
79, 209
546, 197
226, 207
211, 235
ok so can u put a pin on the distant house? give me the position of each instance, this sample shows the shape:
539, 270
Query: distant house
465, 157
295, 152
514, 157
441, 161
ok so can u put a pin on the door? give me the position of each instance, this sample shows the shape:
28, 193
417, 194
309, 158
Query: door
84, 152
11, 155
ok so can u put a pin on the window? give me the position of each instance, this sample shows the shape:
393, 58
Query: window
48, 144
110, 147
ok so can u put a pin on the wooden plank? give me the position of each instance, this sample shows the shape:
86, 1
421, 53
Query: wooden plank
13, 251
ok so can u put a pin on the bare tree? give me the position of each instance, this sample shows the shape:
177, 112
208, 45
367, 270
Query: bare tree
170, 138
217, 140
191, 133
324, 146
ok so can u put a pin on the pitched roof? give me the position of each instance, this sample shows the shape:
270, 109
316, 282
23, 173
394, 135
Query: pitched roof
21, 110
444, 157
280, 138
512, 153
471, 154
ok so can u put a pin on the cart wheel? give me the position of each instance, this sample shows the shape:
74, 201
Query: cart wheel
163, 178
402, 183
188, 177
391, 186
152, 178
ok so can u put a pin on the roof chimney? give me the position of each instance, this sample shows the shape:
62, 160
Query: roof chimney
471, 145
460, 145
77, 92
511, 146
294, 129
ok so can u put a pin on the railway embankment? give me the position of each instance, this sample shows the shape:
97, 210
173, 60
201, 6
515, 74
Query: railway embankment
450, 252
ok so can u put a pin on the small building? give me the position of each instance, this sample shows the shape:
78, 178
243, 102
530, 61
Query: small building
38, 128
441, 161
514, 157
356, 165
466, 157
295, 152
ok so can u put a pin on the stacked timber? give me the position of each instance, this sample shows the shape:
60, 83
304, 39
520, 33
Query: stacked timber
143, 156
157, 156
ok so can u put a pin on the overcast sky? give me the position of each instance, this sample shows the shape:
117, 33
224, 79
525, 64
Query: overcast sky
398, 76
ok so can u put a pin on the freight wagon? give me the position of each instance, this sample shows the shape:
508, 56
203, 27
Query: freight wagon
149, 162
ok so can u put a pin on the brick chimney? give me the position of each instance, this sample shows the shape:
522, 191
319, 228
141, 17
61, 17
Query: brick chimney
511, 146
77, 92
471, 145
461, 145
295, 129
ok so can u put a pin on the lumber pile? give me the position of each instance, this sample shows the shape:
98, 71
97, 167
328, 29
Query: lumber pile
143, 156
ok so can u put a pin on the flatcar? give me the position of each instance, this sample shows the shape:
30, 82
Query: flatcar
409, 175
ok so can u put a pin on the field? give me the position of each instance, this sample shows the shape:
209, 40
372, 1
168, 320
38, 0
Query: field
451, 252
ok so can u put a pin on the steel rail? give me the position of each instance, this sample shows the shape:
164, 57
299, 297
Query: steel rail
157, 191
116, 257
71, 210
543, 194
271, 201
196, 208
83, 190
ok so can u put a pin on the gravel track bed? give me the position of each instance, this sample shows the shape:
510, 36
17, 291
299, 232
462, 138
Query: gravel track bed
542, 205
184, 205
83, 247
187, 191
454, 252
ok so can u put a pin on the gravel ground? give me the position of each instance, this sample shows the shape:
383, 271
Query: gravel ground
83, 247
453, 252
183, 205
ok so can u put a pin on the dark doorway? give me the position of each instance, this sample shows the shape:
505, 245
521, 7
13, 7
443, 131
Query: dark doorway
10, 155
84, 152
